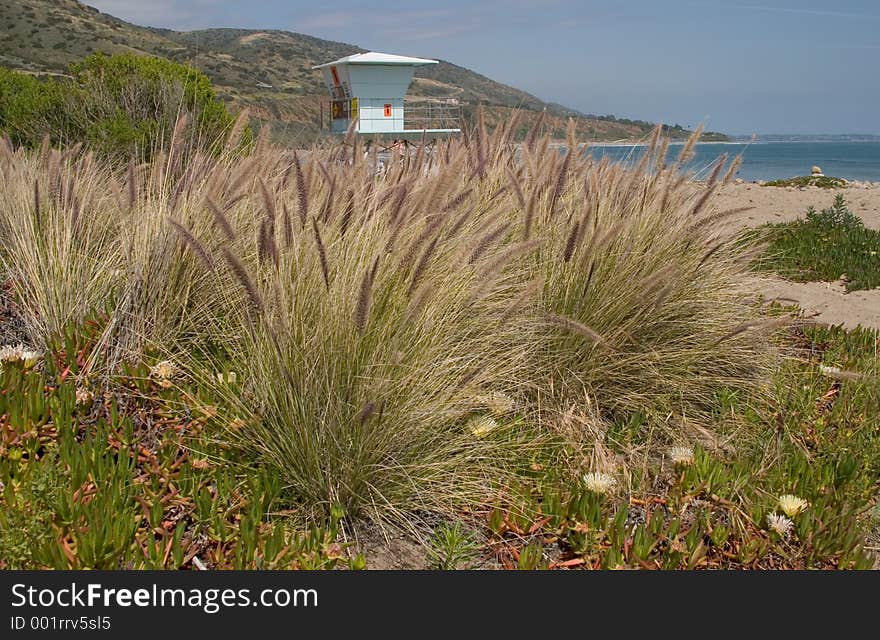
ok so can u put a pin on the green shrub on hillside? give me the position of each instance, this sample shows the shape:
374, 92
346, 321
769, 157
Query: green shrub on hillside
117, 105
30, 108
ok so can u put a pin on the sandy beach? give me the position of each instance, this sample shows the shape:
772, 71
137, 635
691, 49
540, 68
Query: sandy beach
783, 204
824, 301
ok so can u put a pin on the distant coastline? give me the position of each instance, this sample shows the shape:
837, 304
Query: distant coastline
643, 143
808, 137
745, 140
737, 141
857, 160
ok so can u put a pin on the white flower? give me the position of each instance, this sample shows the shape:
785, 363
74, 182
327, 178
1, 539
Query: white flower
164, 370
227, 378
83, 395
791, 505
10, 353
681, 455
779, 524
599, 482
481, 426
830, 371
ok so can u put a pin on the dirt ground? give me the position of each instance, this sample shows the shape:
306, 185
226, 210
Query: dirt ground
824, 301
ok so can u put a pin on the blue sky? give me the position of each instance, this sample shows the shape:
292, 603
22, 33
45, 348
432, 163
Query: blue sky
749, 66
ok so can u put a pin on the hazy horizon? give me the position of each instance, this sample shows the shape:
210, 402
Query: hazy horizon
775, 68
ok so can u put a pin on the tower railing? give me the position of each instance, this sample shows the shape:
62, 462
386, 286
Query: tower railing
432, 113
418, 113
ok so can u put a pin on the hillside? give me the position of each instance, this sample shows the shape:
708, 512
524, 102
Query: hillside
268, 71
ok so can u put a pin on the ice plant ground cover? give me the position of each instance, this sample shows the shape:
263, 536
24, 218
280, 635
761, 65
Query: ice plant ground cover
245, 358
828, 245
133, 477
792, 485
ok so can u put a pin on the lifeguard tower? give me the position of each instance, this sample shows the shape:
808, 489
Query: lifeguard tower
369, 90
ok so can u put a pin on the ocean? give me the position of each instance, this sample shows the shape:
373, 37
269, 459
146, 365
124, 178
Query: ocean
772, 160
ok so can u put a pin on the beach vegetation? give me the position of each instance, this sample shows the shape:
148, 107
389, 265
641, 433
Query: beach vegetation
828, 245
393, 334
452, 547
795, 487
241, 359
116, 105
823, 182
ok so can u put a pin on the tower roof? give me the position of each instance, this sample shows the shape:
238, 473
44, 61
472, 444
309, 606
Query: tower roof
374, 57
